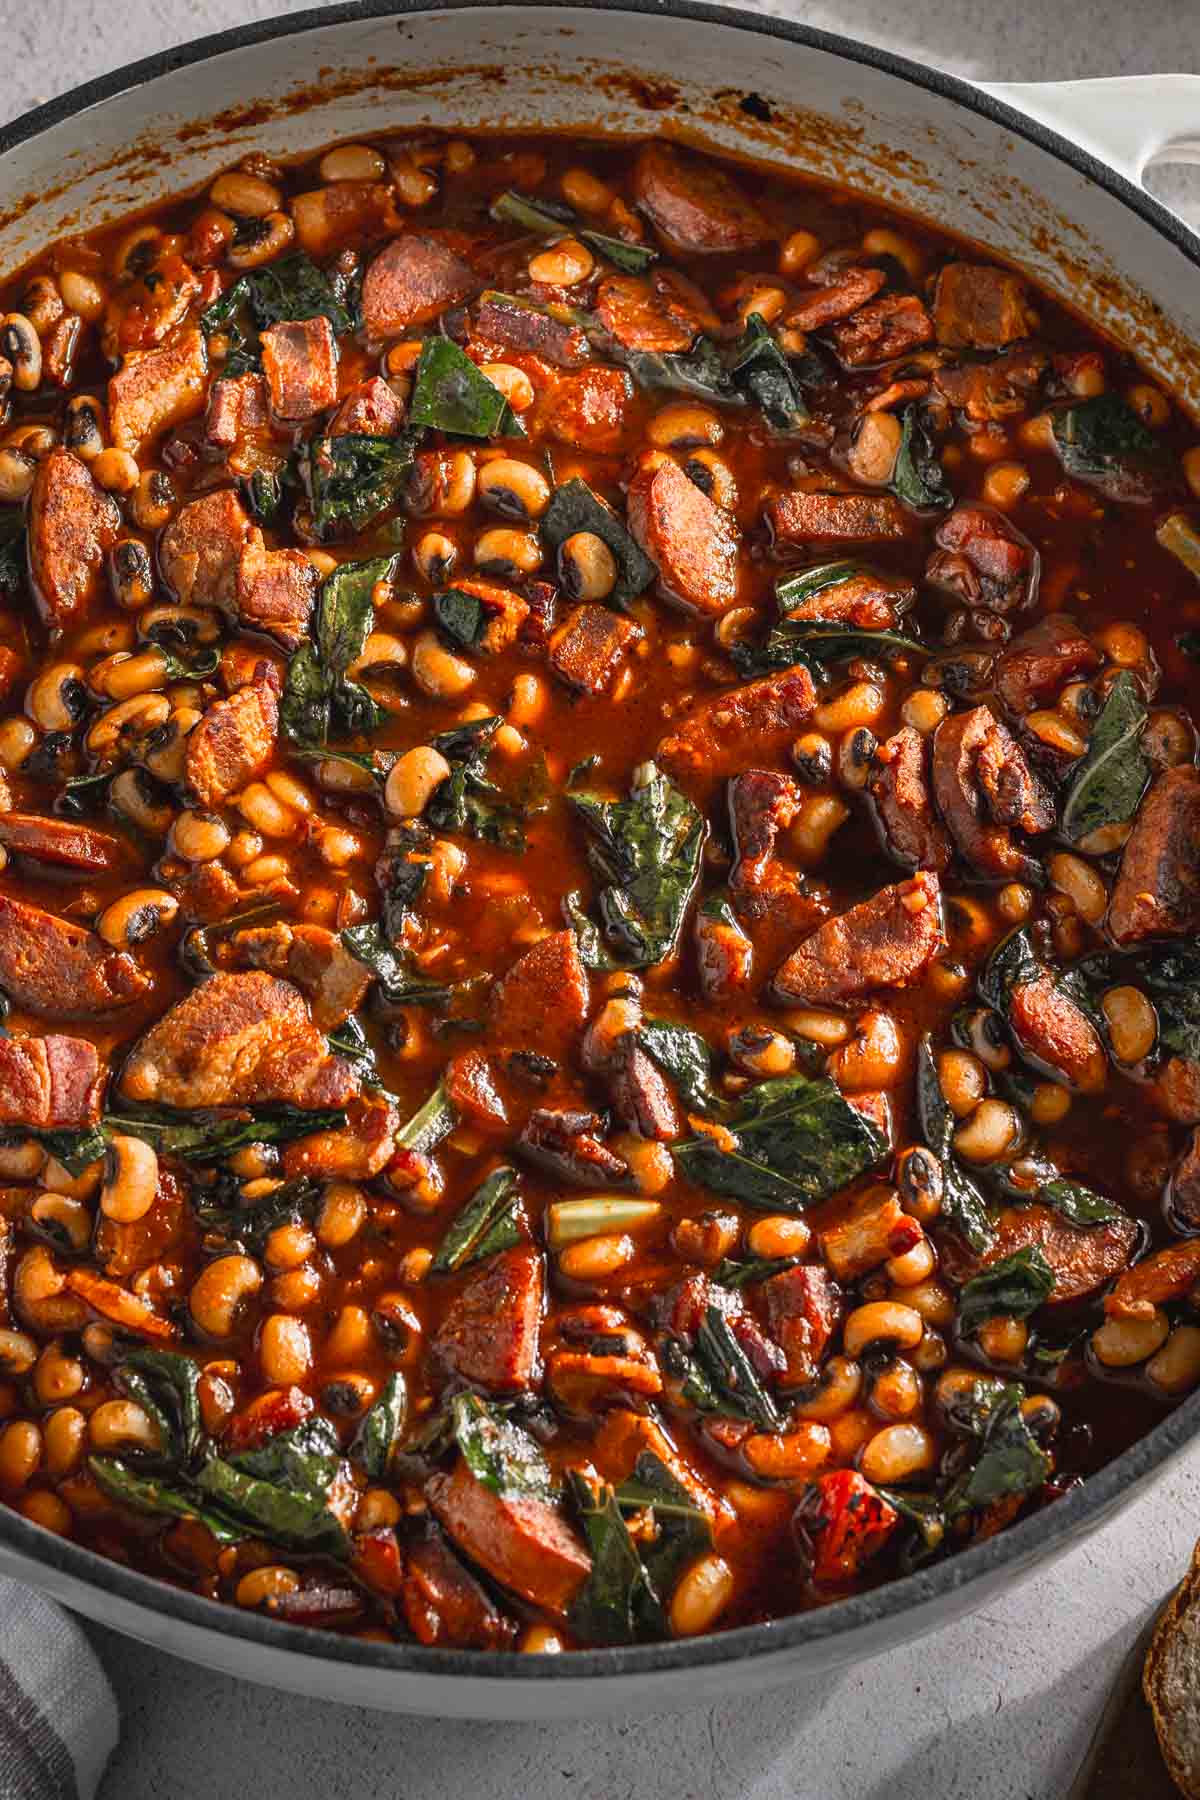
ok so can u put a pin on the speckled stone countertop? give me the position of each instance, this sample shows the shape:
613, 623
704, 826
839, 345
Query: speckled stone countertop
1001, 1706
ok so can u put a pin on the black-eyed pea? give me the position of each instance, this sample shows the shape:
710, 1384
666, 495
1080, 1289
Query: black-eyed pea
257, 1590
882, 1322
963, 1081
17, 471
816, 1026
220, 1292
586, 192
931, 1353
820, 816
296, 1290
377, 1511
512, 382
924, 709
790, 1455
125, 723
758, 1050
342, 1216
1176, 1367
40, 1295
288, 1246
798, 251
20, 1454
42, 303
1015, 902
130, 1179
701, 1595
896, 1390
47, 1510
1080, 883
266, 813
153, 500
261, 242
21, 346
778, 1235
349, 1339
383, 651
855, 757
934, 1302
850, 1431
265, 871
64, 1432
992, 1131
284, 1349
137, 917
413, 780
352, 162
128, 673
64, 1222
1049, 1104
597, 1258
245, 196
1150, 404
565, 264
874, 449
682, 424
897, 1454
134, 796
837, 1390
438, 672
58, 1376
1004, 1339
414, 1265
22, 1160
649, 1162
508, 554
913, 1266
713, 476
18, 740
882, 241
18, 1352
767, 302
1120, 1343
57, 698
118, 1426
396, 1326
1132, 1023
117, 472
587, 568
874, 1057
861, 703
434, 556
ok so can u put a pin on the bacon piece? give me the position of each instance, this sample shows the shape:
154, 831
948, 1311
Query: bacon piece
886, 941
661, 312
489, 1334
120, 1307
160, 389
237, 406
61, 844
541, 1002
1033, 670
471, 1090
834, 294
804, 1305
694, 204
589, 648
874, 1227
72, 526
802, 518
520, 1540
898, 788
724, 955
980, 307
754, 724
985, 562
61, 970
276, 591
315, 960
883, 329
234, 742
412, 281
761, 805
1157, 890
997, 389
443, 1602
358, 1152
566, 1143
300, 361
868, 599
848, 1522
49, 1082
984, 787
200, 551
693, 542
588, 411
371, 409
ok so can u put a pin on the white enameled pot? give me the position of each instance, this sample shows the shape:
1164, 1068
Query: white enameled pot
991, 165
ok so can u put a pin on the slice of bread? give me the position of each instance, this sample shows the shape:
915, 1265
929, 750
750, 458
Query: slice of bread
1171, 1682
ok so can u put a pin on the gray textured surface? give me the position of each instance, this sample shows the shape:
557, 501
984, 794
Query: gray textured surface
998, 1707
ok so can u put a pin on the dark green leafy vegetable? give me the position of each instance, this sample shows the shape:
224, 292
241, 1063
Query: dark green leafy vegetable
486, 1224
1079, 1205
573, 508
293, 288
499, 1454
819, 644
430, 1123
83, 794
682, 1527
543, 218
197, 952
699, 371
792, 1142
1015, 1286
467, 802
449, 394
379, 1433
401, 876
617, 1603
731, 1374
166, 1385
1012, 964
1010, 1461
283, 1490
1103, 442
926, 1519
354, 477
1108, 783
734, 1274
646, 852
75, 1150
12, 549
222, 1213
918, 477
319, 695
463, 617
208, 1137
264, 493
963, 1206
683, 1056
349, 1039
633, 259
149, 1494
760, 368
399, 983
1169, 974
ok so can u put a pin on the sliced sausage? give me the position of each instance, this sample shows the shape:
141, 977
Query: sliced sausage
866, 598
49, 1082
801, 518
754, 724
489, 1334
1035, 667
470, 1084
61, 844
1157, 890
804, 1305
694, 204
238, 1040
276, 591
234, 742
589, 648
371, 409
362, 1149
761, 805
444, 1604
200, 551
898, 789
662, 312
1083, 1257
693, 542
520, 1541
61, 970
1053, 1031
542, 1001
984, 788
986, 563
589, 411
300, 362
1165, 1275
886, 941
508, 325
334, 982
881, 330
834, 294
980, 308
158, 390
72, 526
412, 282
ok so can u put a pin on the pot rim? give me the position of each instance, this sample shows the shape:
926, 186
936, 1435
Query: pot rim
1034, 1537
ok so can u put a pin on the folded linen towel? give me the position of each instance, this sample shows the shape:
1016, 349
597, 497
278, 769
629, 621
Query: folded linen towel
58, 1716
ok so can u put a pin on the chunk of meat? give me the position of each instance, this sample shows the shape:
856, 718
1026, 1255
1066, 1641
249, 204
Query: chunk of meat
334, 982
589, 410
264, 1417
1176, 1090
61, 844
985, 562
150, 393
126, 1310
1165, 1275
343, 213
847, 1522
984, 788
802, 518
640, 1095
886, 941
371, 409
804, 1305
444, 1604
470, 1087
300, 362
980, 308
1053, 1031
1183, 1190
751, 724
61, 970
49, 1082
237, 407
521, 1541
624, 1436
1035, 667
276, 591
504, 610
200, 551
694, 204
542, 1001
661, 312
761, 805
568, 1145
1083, 1257
72, 526
885, 328
234, 742
693, 542
834, 294
411, 282
489, 1335
997, 389
238, 1040
359, 1151
898, 788
724, 954
589, 648
874, 1228
866, 598
510, 324
1157, 890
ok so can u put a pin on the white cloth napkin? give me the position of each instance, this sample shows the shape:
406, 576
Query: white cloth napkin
58, 1715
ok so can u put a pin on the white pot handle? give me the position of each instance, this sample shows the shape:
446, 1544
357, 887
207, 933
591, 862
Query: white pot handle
1127, 121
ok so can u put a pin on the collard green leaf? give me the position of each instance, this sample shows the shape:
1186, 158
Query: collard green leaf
819, 644
401, 874
790, 1144
380, 1430
735, 1274
1108, 783
1079, 1205
681, 1526
1012, 964
498, 1452
264, 495
761, 370
963, 1205
222, 1213
541, 218
354, 477
299, 1518
294, 288
167, 1386
486, 1224
918, 477
462, 617
450, 394
632, 259
1014, 1287
304, 708
1010, 1462
75, 1150
685, 1058
731, 1373
617, 1603
573, 508
646, 853
1103, 442
349, 1039
699, 371
926, 1519
205, 1137
319, 695
466, 801
83, 795
158, 1498
431, 1122
399, 982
